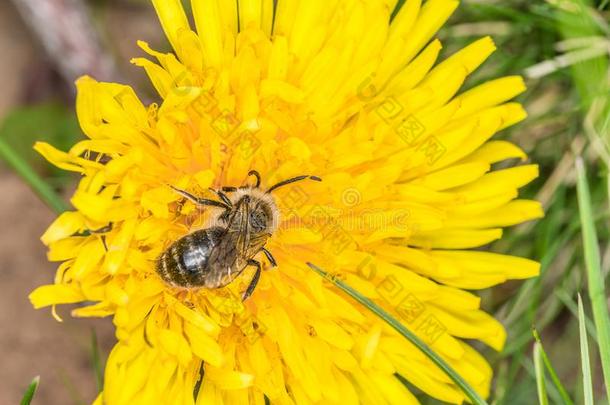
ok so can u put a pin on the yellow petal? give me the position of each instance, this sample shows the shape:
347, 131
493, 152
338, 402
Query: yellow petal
65, 225
173, 19
228, 379
207, 20
197, 319
453, 176
513, 213
203, 346
494, 152
176, 345
489, 94
498, 182
392, 389
99, 310
55, 294
62, 159
456, 238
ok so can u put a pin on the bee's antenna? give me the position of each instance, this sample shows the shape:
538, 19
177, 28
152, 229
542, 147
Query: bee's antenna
257, 175
293, 180
200, 201
222, 196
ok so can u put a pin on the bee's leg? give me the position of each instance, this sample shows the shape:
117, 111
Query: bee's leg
102, 231
200, 201
269, 257
224, 198
254, 281
224, 217
228, 189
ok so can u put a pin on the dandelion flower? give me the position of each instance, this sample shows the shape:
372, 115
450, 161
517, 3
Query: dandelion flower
325, 88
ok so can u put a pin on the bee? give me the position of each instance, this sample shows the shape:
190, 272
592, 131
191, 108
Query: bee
214, 256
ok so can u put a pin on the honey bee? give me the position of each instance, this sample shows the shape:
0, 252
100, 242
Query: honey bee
213, 257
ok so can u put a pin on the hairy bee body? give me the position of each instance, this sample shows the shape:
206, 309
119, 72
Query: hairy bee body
213, 257
186, 263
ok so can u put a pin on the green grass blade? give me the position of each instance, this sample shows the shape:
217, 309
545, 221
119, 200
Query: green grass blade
550, 369
595, 278
98, 368
406, 333
584, 354
31, 390
543, 399
397, 9
23, 169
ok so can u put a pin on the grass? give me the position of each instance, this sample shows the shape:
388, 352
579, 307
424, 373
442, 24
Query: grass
584, 356
597, 292
542, 359
29, 175
543, 398
97, 362
561, 46
30, 391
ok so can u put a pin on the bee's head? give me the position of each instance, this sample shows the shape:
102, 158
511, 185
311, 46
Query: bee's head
260, 209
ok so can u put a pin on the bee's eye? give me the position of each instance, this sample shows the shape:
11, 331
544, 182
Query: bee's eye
258, 221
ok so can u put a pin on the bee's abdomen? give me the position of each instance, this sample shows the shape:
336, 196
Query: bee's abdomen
185, 262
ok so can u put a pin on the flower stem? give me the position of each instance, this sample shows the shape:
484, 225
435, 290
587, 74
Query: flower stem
472, 395
40, 187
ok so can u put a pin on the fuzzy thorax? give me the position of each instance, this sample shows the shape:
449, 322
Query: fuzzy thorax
259, 200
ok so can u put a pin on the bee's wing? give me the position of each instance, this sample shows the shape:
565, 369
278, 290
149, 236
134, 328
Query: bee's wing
230, 256
255, 244
239, 227
248, 243
226, 260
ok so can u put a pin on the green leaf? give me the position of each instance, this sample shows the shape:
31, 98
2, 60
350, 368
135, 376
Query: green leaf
595, 277
31, 390
406, 333
584, 355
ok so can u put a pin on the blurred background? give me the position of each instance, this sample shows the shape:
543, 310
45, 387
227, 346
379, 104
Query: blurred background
562, 47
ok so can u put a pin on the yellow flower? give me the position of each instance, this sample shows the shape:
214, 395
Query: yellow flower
320, 87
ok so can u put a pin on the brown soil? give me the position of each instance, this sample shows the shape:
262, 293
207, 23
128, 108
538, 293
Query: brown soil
31, 342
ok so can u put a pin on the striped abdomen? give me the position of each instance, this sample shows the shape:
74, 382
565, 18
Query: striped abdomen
186, 263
